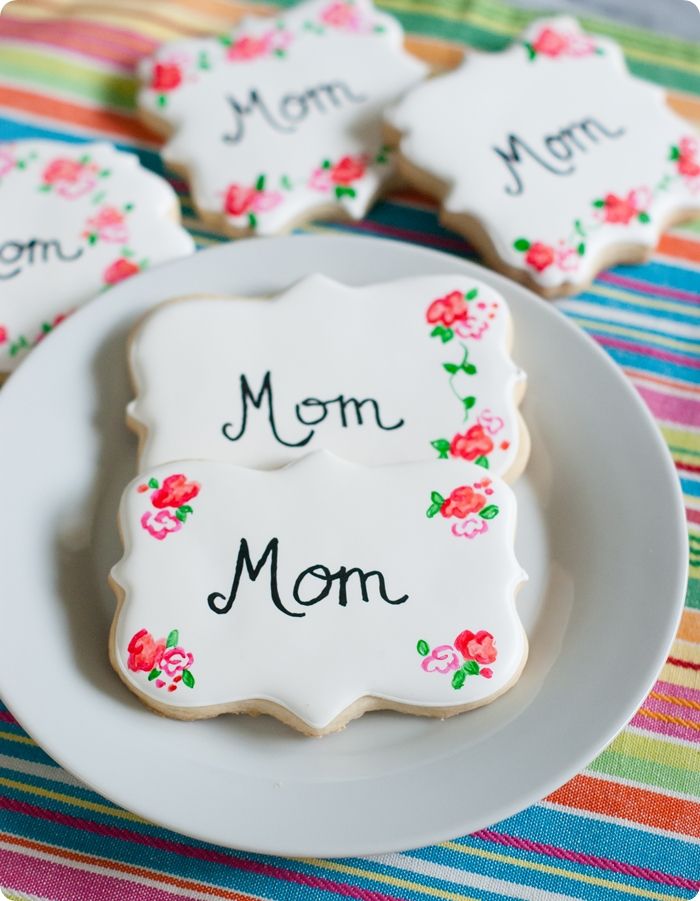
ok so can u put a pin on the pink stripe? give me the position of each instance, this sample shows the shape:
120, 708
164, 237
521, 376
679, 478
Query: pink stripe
681, 410
61, 882
70, 40
210, 854
678, 691
692, 515
661, 728
670, 709
645, 350
590, 860
634, 284
6, 717
122, 38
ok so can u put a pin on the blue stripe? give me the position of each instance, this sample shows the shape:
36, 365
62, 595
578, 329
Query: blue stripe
594, 323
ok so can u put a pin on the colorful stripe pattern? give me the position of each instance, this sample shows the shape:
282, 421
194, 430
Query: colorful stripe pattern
627, 827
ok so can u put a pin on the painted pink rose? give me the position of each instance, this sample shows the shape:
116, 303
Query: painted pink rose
448, 309
70, 178
470, 527
477, 646
266, 200
472, 444
473, 327
341, 15
540, 256
144, 651
688, 163
566, 258
619, 210
238, 200
551, 43
166, 77
442, 659
3, 334
463, 501
161, 524
347, 170
486, 672
175, 491
174, 660
119, 270
109, 224
491, 423
7, 162
247, 47
320, 180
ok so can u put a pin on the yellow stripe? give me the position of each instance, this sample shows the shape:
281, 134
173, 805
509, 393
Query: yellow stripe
615, 329
689, 441
20, 739
69, 799
387, 880
687, 678
641, 300
655, 750
558, 871
686, 650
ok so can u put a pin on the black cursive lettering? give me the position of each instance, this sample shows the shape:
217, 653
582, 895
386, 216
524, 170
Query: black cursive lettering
19, 254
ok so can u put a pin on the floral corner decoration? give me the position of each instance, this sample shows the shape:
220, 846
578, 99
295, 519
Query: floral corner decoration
171, 501
470, 654
461, 314
469, 504
167, 663
561, 44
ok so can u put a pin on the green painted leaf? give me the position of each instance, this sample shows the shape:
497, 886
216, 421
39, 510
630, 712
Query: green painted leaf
186, 508
489, 512
173, 638
458, 678
344, 191
153, 483
260, 183
326, 164
154, 673
581, 249
468, 402
644, 217
471, 668
531, 52
92, 238
482, 461
674, 153
423, 648
187, 678
128, 207
180, 515
252, 220
225, 40
442, 446
45, 188
522, 244
452, 368
84, 159
470, 295
469, 368
286, 183
280, 52
599, 204
578, 228
437, 498
432, 510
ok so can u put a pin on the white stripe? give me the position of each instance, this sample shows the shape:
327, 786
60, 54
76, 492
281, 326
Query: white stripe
678, 385
655, 322
187, 893
678, 263
630, 783
42, 770
469, 880
620, 821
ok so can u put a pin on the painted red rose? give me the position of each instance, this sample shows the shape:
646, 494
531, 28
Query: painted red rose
3, 334
448, 309
472, 444
239, 200
119, 270
144, 651
463, 501
166, 77
619, 210
62, 170
347, 170
248, 47
550, 43
174, 660
477, 646
175, 491
540, 256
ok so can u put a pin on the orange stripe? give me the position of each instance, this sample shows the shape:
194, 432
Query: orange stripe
126, 869
690, 626
72, 114
688, 107
680, 248
438, 54
668, 718
636, 804
675, 384
681, 702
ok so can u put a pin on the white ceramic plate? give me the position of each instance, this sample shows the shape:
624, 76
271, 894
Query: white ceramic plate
601, 533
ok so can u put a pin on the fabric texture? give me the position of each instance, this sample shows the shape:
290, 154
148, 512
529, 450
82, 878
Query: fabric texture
626, 827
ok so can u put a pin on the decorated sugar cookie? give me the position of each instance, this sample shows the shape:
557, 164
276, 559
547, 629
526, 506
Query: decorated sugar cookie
280, 120
74, 220
317, 592
550, 156
416, 369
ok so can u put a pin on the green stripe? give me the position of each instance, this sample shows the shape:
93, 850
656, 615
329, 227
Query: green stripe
654, 750
81, 81
647, 772
692, 598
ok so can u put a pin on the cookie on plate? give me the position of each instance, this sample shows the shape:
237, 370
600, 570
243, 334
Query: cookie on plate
281, 120
74, 220
414, 369
317, 592
550, 157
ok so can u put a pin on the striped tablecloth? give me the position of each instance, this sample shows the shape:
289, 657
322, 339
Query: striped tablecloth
629, 825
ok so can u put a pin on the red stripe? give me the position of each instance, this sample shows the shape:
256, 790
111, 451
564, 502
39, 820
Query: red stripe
687, 467
681, 410
6, 717
590, 860
645, 350
209, 854
634, 284
692, 515
685, 664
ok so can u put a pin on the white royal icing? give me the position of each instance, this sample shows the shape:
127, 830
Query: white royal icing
555, 149
415, 369
281, 119
74, 219
432, 543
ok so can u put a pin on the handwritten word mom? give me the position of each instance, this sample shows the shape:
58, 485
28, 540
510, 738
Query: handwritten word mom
16, 255
288, 112
558, 151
